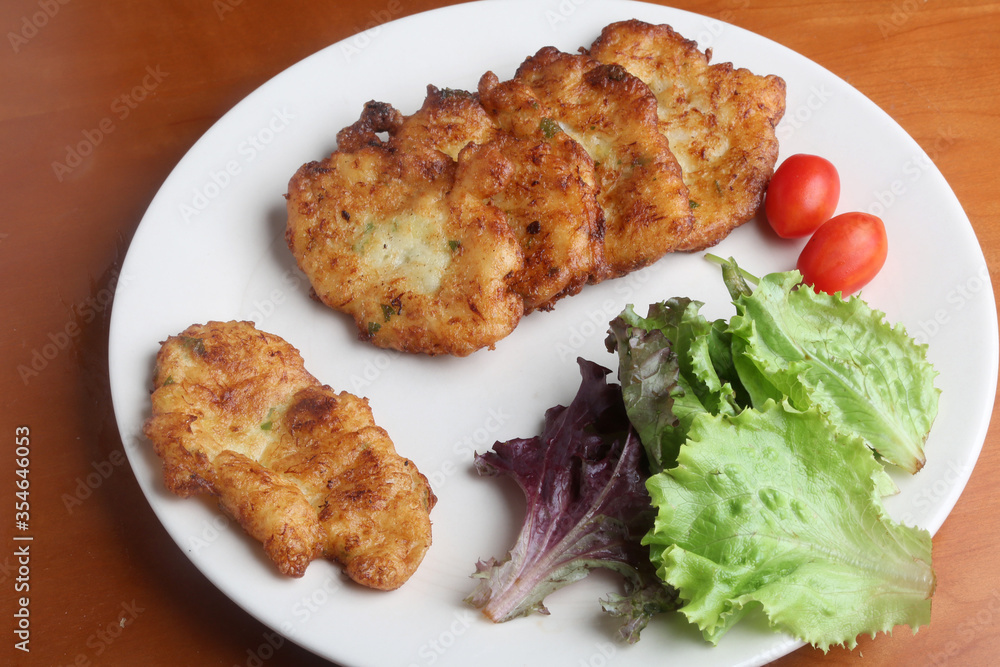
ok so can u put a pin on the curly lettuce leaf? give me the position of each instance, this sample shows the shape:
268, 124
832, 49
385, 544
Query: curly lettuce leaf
673, 365
869, 378
583, 479
774, 509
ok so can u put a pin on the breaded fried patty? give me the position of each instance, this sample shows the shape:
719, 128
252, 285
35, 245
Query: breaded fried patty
437, 231
544, 185
305, 470
448, 120
385, 234
550, 197
719, 121
548, 194
612, 115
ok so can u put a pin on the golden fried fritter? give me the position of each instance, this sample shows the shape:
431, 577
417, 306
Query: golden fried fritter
386, 235
547, 192
719, 121
549, 196
612, 114
598, 163
305, 470
448, 120
544, 185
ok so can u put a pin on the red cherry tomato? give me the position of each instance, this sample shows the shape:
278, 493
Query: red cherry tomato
844, 254
802, 195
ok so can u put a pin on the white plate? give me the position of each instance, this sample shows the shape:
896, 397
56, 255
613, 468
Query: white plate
211, 247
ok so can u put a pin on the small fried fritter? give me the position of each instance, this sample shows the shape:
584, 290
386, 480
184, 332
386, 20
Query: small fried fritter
543, 185
550, 196
719, 121
437, 231
305, 470
384, 234
448, 120
612, 114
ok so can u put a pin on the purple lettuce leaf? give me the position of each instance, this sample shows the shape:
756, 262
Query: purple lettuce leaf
587, 506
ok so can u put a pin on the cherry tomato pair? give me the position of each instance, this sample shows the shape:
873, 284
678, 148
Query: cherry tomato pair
844, 252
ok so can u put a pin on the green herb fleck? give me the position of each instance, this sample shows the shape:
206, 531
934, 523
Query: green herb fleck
387, 311
454, 245
373, 328
195, 345
549, 128
266, 426
455, 93
693, 204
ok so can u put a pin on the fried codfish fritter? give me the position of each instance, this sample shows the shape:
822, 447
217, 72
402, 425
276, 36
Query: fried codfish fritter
305, 470
546, 191
448, 120
719, 121
543, 184
421, 259
580, 168
613, 115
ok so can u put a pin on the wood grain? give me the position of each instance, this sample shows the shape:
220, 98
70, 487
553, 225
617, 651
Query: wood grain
141, 81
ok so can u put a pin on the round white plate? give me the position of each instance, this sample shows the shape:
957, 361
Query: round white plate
211, 247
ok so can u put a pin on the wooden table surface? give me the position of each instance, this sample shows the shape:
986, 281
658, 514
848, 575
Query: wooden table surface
141, 81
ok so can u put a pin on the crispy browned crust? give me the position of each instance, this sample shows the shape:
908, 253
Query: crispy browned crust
612, 114
547, 193
544, 185
386, 235
719, 121
448, 120
303, 469
580, 168
550, 197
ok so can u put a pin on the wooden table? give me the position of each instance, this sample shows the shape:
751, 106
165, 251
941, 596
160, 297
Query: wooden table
141, 81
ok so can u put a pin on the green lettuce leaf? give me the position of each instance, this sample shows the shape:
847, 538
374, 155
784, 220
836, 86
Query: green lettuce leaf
774, 509
673, 365
869, 378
